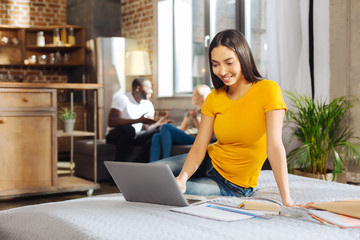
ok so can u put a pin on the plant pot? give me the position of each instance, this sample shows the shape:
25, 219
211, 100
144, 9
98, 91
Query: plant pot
342, 177
353, 177
68, 125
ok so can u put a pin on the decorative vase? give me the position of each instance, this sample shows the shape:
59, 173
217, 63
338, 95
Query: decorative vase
342, 177
68, 125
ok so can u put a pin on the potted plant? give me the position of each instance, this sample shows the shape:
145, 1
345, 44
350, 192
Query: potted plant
67, 116
323, 134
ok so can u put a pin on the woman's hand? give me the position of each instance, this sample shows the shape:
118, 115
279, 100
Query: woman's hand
182, 184
291, 204
193, 113
163, 120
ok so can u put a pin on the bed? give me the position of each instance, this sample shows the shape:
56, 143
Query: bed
111, 217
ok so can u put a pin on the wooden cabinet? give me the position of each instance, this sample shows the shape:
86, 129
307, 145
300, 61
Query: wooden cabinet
19, 45
27, 143
28, 140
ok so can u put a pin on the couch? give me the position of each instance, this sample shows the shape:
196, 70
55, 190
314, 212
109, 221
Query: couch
83, 152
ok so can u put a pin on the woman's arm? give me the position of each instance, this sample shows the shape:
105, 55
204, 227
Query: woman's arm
197, 152
276, 153
194, 114
183, 125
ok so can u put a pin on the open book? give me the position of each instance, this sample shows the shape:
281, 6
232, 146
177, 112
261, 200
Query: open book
224, 209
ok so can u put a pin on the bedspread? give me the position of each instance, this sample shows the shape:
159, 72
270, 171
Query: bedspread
111, 217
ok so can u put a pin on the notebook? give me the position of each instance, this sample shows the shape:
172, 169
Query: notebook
350, 207
148, 183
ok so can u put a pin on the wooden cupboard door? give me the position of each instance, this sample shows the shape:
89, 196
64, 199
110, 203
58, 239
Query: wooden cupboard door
26, 152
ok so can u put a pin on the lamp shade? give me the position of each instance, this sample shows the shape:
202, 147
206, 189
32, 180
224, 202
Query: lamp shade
137, 63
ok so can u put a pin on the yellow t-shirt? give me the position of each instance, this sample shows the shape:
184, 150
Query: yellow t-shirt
240, 129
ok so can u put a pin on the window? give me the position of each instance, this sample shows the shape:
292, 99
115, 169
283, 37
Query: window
185, 28
255, 32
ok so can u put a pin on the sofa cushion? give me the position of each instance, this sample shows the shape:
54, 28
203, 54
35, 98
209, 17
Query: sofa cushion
86, 147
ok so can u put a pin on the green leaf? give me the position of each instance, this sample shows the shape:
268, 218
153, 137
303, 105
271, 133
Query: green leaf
66, 114
322, 132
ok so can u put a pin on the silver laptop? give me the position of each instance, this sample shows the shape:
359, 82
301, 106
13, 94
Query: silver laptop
149, 183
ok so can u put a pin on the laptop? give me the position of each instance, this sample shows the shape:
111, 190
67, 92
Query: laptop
148, 183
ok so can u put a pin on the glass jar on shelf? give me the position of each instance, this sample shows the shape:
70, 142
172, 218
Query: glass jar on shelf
63, 36
56, 37
52, 58
42, 59
66, 58
40, 40
71, 37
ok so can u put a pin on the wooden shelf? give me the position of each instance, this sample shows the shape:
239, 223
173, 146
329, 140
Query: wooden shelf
9, 46
64, 184
73, 86
74, 184
15, 55
61, 133
52, 65
52, 47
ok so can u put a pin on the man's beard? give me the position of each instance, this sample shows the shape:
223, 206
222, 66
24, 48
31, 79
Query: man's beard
143, 95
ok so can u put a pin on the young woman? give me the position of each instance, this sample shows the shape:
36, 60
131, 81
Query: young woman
183, 135
246, 114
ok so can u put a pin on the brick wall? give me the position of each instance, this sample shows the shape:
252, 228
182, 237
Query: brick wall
28, 13
32, 13
137, 22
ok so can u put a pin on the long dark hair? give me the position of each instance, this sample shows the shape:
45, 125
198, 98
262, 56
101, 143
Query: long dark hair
235, 40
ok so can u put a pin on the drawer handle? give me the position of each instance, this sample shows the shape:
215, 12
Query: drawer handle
2, 121
25, 99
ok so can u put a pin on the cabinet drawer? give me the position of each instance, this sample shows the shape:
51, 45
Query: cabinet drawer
26, 98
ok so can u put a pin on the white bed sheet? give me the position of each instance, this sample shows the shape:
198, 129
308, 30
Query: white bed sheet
111, 217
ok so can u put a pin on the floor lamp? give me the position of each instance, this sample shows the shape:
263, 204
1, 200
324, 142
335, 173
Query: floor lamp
137, 63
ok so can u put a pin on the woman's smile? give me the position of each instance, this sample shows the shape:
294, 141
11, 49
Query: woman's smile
226, 79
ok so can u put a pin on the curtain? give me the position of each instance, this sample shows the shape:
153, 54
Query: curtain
288, 45
322, 49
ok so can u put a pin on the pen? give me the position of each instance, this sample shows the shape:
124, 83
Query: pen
317, 218
238, 211
242, 204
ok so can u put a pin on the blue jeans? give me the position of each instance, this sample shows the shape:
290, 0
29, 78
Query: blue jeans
164, 140
206, 181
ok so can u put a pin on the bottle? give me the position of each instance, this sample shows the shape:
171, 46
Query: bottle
66, 58
58, 57
56, 36
71, 37
52, 58
63, 36
40, 40
42, 59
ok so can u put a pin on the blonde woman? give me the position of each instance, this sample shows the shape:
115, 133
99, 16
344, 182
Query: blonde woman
183, 135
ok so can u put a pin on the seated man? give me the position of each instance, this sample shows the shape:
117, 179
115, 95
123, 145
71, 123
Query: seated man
131, 120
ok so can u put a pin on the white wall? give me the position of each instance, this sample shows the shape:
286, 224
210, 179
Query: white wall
345, 55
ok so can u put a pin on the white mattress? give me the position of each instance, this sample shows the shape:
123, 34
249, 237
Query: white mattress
111, 217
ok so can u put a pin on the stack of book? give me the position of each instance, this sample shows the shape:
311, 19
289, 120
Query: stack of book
344, 214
